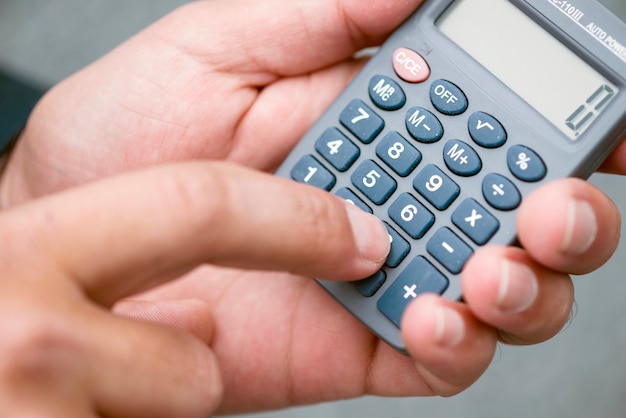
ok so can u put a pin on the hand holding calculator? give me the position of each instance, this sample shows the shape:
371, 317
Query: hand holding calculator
466, 109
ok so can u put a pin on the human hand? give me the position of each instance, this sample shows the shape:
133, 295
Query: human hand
291, 345
67, 259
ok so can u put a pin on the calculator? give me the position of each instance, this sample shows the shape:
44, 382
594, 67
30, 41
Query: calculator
465, 109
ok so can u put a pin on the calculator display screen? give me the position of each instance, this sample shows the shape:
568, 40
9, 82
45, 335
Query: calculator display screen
535, 65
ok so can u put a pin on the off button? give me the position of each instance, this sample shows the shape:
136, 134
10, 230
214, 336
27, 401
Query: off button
410, 66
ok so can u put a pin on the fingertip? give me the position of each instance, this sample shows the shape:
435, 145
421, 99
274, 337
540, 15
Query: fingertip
569, 226
450, 347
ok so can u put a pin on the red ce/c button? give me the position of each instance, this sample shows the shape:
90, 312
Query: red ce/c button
410, 66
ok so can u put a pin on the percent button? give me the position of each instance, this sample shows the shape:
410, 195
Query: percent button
525, 164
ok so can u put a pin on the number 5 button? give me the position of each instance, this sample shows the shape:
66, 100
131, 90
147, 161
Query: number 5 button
370, 179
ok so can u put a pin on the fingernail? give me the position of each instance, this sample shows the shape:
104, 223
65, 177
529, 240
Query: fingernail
581, 228
518, 288
372, 238
449, 327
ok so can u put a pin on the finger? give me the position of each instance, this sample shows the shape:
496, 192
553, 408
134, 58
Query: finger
616, 162
131, 233
300, 100
191, 315
450, 347
171, 373
300, 36
526, 302
569, 226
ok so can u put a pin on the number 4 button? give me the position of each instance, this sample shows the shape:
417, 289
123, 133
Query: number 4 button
337, 149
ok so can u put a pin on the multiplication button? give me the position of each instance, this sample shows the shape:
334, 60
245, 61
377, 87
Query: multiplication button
419, 277
475, 221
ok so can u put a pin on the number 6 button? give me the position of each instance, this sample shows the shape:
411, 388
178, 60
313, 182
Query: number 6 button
411, 216
370, 179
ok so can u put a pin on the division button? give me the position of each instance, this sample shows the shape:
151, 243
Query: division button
500, 192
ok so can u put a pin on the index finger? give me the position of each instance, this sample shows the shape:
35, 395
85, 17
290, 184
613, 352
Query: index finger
126, 234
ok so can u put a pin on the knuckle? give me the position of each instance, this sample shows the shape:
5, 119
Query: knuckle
34, 347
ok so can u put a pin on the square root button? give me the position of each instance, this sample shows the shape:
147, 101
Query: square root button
419, 277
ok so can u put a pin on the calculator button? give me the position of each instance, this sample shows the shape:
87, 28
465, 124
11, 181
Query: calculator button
461, 159
448, 98
359, 119
475, 221
347, 195
439, 189
525, 164
449, 250
410, 66
373, 182
419, 277
369, 286
398, 154
386, 93
500, 192
423, 125
399, 248
411, 216
486, 130
337, 149
308, 170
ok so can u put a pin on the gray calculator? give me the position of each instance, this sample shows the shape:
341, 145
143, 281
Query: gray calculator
468, 106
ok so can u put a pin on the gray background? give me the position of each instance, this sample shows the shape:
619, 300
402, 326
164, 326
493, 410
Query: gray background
579, 373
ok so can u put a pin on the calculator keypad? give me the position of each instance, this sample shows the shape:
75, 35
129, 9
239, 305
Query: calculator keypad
434, 226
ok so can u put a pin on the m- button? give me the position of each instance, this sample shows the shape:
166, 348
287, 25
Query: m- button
410, 66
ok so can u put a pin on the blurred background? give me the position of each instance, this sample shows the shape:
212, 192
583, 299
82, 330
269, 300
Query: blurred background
579, 373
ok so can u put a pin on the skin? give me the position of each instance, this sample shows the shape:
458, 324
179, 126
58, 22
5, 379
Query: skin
194, 109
